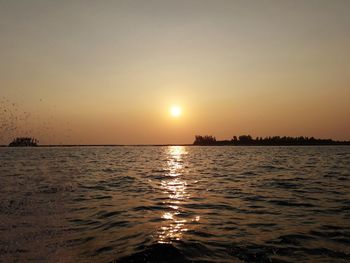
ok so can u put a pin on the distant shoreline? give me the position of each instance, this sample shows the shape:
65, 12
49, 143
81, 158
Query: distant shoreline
207, 140
165, 145
247, 140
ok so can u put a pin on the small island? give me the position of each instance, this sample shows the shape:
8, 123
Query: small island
247, 140
24, 142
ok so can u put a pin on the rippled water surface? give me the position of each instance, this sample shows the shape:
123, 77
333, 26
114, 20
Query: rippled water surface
175, 204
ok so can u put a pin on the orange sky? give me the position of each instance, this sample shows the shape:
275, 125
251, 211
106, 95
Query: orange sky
107, 72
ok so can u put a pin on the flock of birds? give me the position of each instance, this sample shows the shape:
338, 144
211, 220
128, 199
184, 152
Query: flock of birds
15, 121
12, 119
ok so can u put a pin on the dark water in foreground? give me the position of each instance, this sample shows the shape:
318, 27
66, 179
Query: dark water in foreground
176, 204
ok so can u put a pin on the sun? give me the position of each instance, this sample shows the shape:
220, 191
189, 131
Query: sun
175, 111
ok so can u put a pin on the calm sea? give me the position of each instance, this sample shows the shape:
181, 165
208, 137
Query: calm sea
175, 204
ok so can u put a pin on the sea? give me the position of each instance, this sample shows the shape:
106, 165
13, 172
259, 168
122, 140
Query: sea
175, 204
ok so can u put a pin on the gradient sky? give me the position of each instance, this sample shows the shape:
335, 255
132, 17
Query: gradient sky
96, 72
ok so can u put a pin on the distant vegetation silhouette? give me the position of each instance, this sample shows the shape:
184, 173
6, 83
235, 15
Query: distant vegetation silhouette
247, 140
23, 142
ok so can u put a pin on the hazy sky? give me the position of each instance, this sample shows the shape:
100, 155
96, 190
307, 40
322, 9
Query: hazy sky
108, 71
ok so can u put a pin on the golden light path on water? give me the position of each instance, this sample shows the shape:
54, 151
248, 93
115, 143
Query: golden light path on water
174, 185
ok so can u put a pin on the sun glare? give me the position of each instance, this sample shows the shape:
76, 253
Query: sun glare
175, 111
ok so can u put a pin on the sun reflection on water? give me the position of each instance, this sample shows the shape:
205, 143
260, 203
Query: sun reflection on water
174, 186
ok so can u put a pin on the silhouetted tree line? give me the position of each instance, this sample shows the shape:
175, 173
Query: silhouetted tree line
24, 141
247, 140
207, 140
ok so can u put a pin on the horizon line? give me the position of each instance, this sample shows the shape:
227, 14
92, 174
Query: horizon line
160, 145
